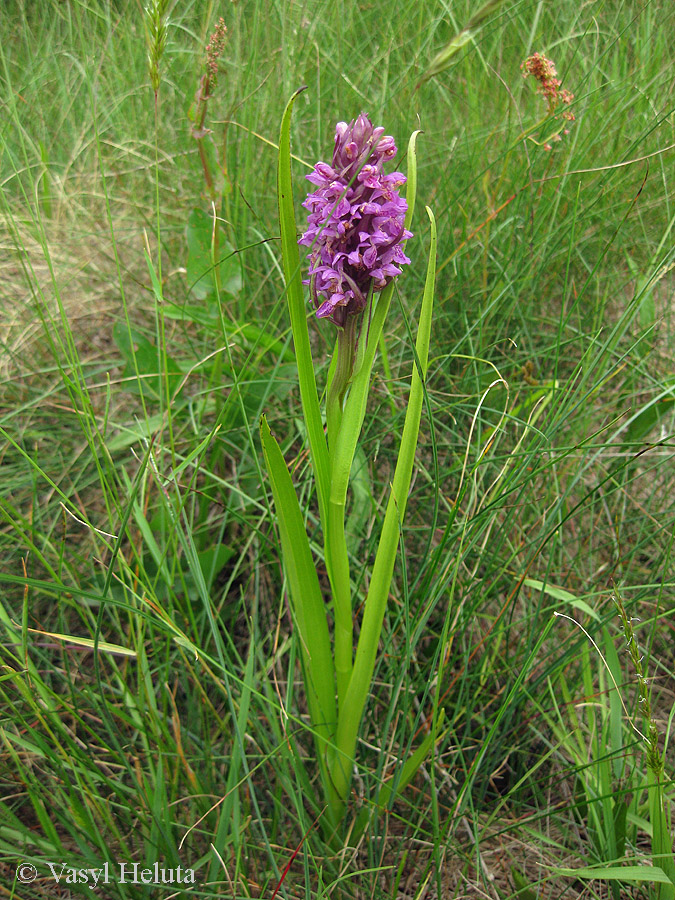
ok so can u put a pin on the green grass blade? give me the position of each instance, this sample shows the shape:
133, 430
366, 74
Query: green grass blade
628, 874
390, 789
412, 764
230, 814
101, 646
443, 59
662, 845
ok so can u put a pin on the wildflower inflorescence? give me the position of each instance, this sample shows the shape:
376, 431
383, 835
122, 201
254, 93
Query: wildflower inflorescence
543, 70
208, 80
214, 50
355, 223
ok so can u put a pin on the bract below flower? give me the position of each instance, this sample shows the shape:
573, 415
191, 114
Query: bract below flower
356, 221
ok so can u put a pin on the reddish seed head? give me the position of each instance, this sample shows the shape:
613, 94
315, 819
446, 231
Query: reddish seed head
544, 71
214, 49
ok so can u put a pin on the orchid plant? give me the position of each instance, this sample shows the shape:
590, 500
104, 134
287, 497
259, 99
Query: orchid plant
357, 227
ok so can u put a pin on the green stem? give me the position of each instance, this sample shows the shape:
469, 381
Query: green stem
342, 597
342, 452
215, 250
336, 543
346, 354
351, 710
205, 166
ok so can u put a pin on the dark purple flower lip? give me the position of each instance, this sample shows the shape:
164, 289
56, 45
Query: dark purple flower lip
356, 221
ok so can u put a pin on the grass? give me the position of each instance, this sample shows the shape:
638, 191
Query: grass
135, 513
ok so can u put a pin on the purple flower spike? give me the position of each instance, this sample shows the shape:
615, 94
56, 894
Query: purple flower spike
356, 222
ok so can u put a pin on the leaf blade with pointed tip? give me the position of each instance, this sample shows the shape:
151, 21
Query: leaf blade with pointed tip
305, 593
298, 314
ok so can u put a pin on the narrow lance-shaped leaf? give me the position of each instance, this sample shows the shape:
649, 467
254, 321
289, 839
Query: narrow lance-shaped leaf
376, 601
342, 457
306, 601
298, 314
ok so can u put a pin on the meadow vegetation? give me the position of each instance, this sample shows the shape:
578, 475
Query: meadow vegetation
152, 708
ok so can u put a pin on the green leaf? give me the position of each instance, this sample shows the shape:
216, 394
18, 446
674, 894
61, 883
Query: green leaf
254, 391
213, 561
244, 334
142, 361
620, 810
412, 764
559, 593
200, 264
88, 643
307, 603
362, 503
523, 890
410, 768
529, 410
380, 583
297, 309
618, 873
135, 434
648, 418
647, 310
203, 314
662, 842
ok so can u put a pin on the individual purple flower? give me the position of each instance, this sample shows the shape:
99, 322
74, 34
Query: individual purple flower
356, 222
